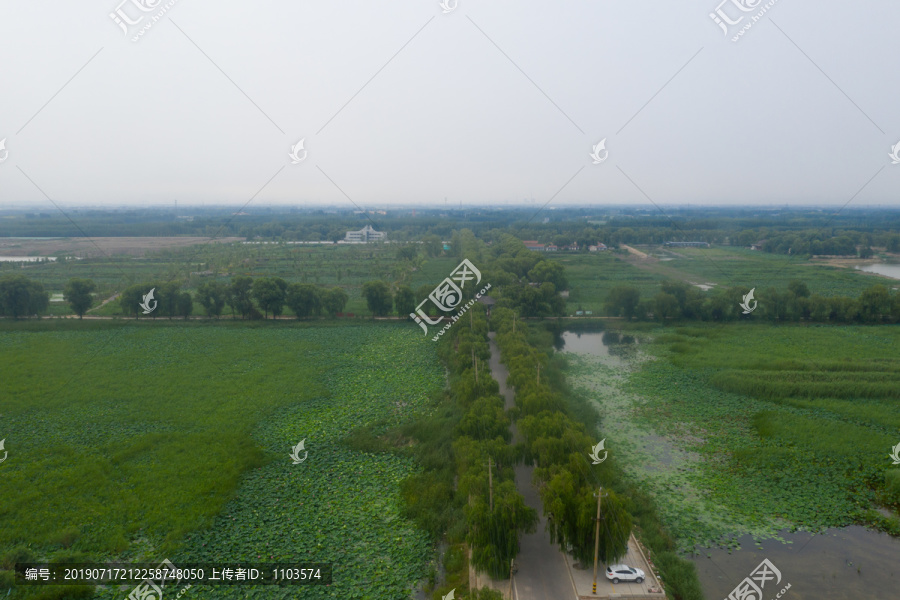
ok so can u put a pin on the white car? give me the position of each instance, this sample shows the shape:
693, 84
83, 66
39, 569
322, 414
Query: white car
618, 573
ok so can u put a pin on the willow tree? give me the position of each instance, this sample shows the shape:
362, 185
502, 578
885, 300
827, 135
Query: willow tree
571, 506
494, 535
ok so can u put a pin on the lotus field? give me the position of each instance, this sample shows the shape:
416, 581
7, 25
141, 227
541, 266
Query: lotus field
145, 441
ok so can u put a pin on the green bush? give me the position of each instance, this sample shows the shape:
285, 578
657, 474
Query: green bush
892, 486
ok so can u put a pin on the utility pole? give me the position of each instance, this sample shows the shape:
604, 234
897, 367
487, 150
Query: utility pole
510, 577
599, 495
539, 374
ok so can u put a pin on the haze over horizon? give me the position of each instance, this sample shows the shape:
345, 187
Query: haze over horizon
487, 105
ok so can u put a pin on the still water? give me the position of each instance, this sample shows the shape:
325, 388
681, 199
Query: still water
851, 563
888, 270
594, 343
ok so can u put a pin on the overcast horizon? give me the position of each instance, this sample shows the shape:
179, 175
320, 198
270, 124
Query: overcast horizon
484, 105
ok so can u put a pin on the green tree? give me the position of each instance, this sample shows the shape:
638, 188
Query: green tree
494, 535
269, 293
433, 245
212, 295
407, 252
78, 294
131, 298
239, 295
334, 300
378, 297
167, 294
548, 270
818, 308
875, 303
774, 304
404, 300
665, 306
572, 509
798, 288
184, 305
623, 301
20, 296
304, 299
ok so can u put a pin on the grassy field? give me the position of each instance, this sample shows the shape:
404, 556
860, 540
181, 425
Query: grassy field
749, 429
592, 275
729, 267
154, 440
794, 423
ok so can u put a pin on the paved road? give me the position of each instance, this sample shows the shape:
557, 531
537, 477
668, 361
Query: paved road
543, 574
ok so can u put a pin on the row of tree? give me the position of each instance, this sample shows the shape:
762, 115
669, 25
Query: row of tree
679, 300
20, 296
560, 446
245, 296
496, 513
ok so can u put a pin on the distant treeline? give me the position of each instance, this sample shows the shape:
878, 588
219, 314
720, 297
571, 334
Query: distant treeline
678, 300
805, 232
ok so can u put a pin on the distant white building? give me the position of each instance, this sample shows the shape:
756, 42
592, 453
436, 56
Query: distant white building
366, 234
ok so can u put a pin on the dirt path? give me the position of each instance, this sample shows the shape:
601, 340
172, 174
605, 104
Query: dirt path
105, 302
637, 253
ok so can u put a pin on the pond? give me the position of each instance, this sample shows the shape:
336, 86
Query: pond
838, 564
594, 343
891, 270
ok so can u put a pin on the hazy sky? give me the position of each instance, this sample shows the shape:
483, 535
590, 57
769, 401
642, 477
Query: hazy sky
490, 103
